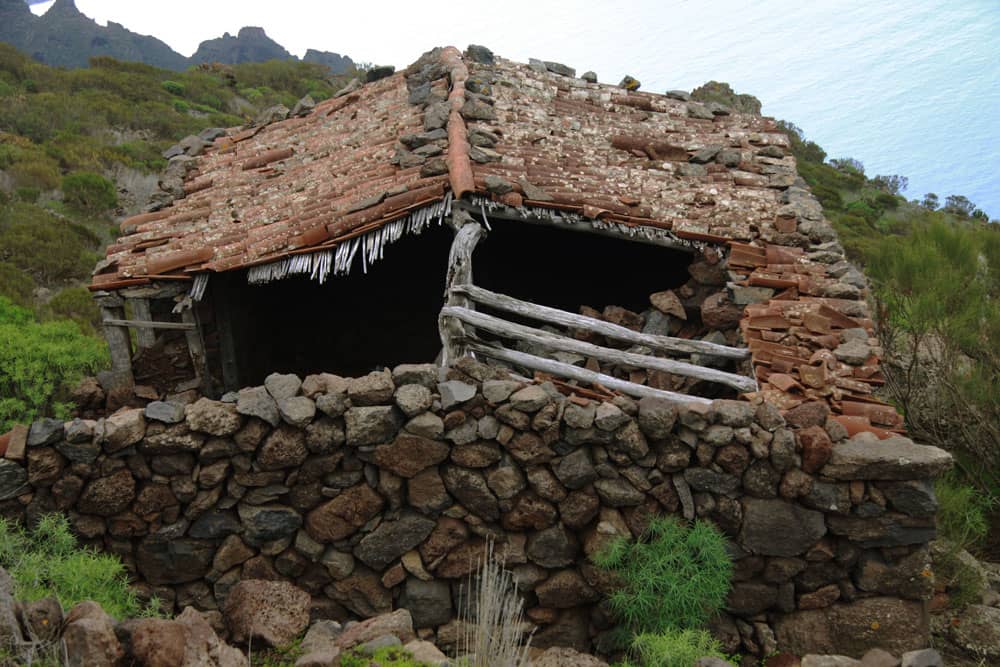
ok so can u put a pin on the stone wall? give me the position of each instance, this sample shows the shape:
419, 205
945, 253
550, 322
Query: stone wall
380, 492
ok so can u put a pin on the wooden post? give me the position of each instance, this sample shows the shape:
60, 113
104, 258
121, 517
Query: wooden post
145, 337
220, 300
196, 347
459, 273
119, 345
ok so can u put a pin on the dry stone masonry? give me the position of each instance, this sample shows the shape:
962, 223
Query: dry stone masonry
381, 492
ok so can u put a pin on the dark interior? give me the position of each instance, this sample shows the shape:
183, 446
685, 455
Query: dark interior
350, 325
354, 324
566, 269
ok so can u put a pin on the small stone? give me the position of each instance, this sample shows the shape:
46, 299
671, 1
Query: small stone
413, 399
257, 402
529, 399
282, 386
164, 411
376, 388
454, 392
589, 77
297, 410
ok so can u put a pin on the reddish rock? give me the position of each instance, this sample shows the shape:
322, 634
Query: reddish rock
273, 611
397, 624
343, 515
426, 491
89, 637
447, 535
529, 512
719, 312
157, 642
820, 598
407, 455
816, 448
566, 588
813, 413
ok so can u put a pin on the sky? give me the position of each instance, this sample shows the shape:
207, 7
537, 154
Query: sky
906, 86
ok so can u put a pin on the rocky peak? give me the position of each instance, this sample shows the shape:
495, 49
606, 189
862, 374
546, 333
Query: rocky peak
251, 45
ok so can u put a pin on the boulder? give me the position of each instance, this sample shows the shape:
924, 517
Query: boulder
779, 528
854, 628
122, 429
297, 410
212, 417
372, 425
106, 496
257, 402
89, 637
561, 656
342, 516
897, 458
392, 539
398, 624
977, 631
376, 388
429, 602
408, 455
273, 611
282, 386
469, 488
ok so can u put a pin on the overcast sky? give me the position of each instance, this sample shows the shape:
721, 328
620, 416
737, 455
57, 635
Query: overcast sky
907, 86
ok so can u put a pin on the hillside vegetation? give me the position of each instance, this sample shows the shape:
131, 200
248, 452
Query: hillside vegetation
72, 145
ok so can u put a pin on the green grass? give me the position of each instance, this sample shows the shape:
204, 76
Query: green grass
47, 562
673, 648
390, 656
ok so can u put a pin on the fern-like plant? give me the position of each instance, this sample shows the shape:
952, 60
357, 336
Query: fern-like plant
676, 577
47, 562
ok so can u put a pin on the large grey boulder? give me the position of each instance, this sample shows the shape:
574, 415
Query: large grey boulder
897, 458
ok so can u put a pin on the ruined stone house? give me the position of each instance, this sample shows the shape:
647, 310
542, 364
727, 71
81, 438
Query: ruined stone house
470, 205
555, 249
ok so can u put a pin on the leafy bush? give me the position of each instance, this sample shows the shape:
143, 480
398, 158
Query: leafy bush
48, 562
48, 248
76, 304
40, 363
962, 512
89, 193
673, 648
937, 291
676, 577
35, 173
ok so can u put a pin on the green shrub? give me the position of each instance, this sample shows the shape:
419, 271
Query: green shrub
28, 195
76, 304
173, 88
16, 285
676, 577
49, 249
89, 193
48, 562
672, 648
35, 173
40, 363
962, 512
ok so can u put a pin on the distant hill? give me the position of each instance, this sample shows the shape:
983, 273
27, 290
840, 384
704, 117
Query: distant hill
65, 37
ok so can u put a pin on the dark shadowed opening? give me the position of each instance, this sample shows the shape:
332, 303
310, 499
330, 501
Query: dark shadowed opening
567, 269
350, 325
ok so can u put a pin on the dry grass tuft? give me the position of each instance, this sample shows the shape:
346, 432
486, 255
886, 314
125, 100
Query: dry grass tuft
494, 620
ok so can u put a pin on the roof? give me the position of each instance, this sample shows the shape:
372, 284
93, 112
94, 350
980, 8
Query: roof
529, 136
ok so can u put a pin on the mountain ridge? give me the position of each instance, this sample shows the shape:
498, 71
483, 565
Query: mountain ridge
65, 37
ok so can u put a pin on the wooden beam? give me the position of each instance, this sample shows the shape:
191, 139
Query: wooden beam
571, 320
581, 374
147, 324
566, 344
459, 273
145, 337
584, 226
